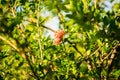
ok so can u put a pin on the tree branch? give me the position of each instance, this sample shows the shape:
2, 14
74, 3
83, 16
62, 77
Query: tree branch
10, 43
111, 52
39, 33
25, 53
40, 25
74, 46
60, 16
48, 28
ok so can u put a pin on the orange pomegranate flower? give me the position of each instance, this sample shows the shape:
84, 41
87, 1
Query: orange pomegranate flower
58, 36
57, 41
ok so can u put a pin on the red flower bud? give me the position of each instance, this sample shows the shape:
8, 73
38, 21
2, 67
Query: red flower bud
57, 41
58, 36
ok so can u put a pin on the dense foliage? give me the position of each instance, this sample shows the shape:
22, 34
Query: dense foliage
88, 47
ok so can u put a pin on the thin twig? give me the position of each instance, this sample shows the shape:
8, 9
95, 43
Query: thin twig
111, 52
89, 64
95, 3
48, 28
39, 33
60, 17
74, 46
32, 68
40, 25
29, 51
12, 9
10, 43
94, 52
